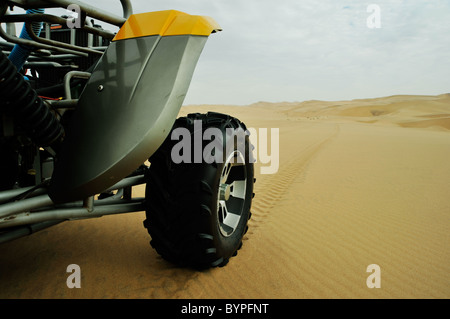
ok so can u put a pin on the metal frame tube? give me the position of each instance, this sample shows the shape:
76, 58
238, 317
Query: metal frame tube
26, 230
34, 44
31, 4
10, 194
127, 8
44, 201
90, 10
33, 36
69, 76
48, 18
126, 182
97, 13
90, 42
63, 104
119, 207
114, 199
25, 205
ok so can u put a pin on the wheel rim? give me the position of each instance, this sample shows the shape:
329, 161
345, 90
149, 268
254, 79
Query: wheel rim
232, 192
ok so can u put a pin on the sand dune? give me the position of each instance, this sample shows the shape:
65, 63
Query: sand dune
359, 182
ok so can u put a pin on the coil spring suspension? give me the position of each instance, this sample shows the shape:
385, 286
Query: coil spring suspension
19, 99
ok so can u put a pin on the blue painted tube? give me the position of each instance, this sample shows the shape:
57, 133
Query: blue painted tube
20, 53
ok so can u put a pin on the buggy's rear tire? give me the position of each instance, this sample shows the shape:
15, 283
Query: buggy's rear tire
197, 213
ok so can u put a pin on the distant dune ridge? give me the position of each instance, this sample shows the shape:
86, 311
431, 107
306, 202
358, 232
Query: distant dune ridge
361, 182
405, 110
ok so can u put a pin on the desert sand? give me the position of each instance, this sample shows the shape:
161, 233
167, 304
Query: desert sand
360, 182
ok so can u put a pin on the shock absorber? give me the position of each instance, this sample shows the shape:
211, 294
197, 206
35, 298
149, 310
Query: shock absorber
19, 99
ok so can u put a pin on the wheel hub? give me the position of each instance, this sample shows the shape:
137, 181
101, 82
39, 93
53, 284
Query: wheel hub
232, 192
224, 192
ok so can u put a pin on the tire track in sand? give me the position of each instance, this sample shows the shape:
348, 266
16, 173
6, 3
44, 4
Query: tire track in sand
270, 189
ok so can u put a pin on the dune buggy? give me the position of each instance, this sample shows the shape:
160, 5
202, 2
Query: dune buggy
86, 114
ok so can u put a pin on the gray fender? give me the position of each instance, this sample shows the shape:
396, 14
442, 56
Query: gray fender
125, 112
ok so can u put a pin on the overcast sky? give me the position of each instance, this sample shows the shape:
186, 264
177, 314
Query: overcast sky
297, 50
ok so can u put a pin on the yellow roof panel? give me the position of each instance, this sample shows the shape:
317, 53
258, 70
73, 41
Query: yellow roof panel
166, 23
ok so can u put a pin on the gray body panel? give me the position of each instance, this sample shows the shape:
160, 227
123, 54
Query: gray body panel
116, 128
